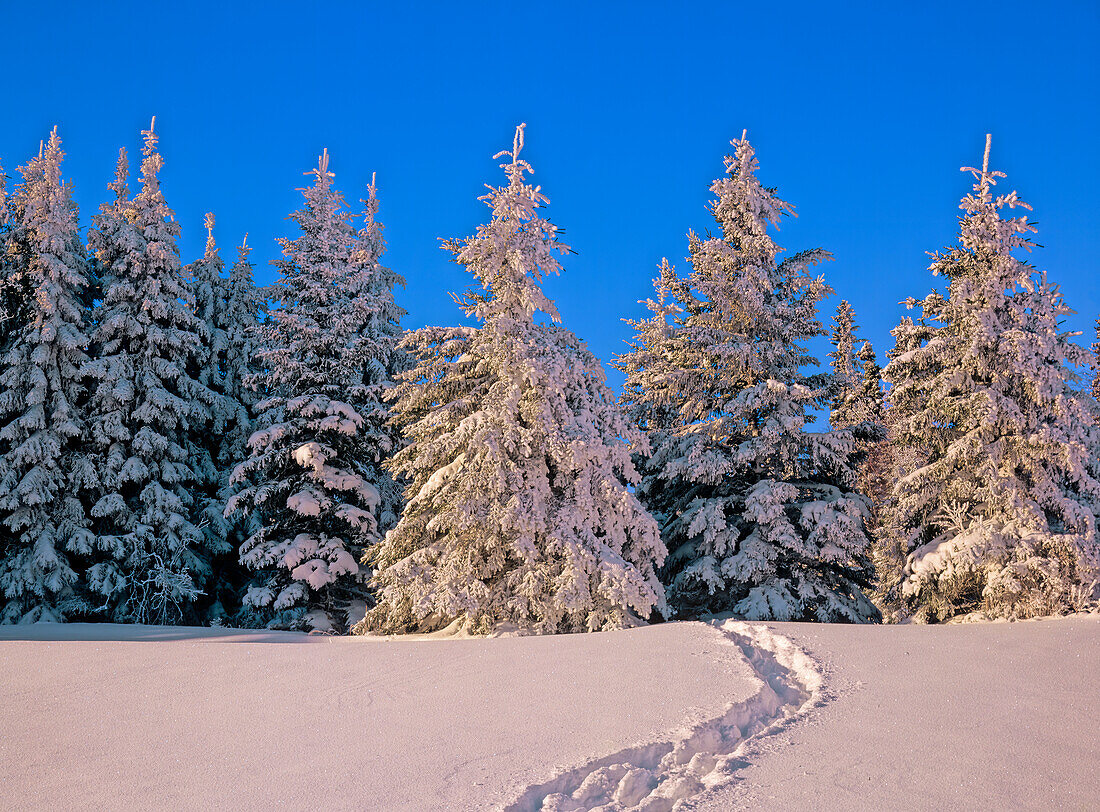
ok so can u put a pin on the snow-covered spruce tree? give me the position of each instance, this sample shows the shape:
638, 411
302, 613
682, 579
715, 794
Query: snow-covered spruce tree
519, 512
756, 510
856, 402
7, 324
144, 408
876, 461
648, 347
313, 476
845, 385
1096, 364
218, 441
15, 290
846, 376
42, 470
869, 413
246, 306
1000, 516
380, 357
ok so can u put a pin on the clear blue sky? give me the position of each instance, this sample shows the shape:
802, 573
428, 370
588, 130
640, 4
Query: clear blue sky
861, 115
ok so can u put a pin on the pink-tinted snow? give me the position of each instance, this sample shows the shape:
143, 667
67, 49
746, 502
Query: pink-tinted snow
668, 717
970, 716
100, 716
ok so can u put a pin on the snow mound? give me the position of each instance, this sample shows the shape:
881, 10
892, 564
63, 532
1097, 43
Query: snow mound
656, 777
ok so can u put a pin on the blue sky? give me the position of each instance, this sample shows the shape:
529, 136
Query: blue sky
861, 115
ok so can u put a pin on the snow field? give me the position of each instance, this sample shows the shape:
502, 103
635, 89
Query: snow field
655, 777
953, 717
112, 717
677, 717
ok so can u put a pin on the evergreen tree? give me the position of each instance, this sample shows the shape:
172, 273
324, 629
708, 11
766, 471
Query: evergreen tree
7, 325
869, 411
217, 441
846, 376
311, 483
1096, 364
15, 286
234, 333
651, 341
857, 403
208, 293
246, 306
999, 514
756, 510
42, 470
145, 407
379, 357
518, 507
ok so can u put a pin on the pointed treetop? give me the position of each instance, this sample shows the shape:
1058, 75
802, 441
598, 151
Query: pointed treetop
516, 168
150, 136
209, 222
984, 177
52, 160
151, 163
243, 250
122, 172
370, 205
321, 172
371, 202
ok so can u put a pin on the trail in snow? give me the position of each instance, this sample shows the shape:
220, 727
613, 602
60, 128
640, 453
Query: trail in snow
658, 777
694, 717
100, 716
975, 716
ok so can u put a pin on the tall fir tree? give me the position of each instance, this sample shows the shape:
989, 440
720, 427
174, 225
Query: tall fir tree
7, 325
145, 407
756, 511
870, 429
1096, 364
652, 339
845, 383
519, 511
312, 483
856, 403
42, 468
15, 288
208, 296
999, 514
380, 358
218, 440
246, 307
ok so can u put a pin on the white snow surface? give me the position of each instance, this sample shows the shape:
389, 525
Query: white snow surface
959, 716
675, 717
108, 716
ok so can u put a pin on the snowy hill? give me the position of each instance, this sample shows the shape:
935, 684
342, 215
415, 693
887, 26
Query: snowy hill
681, 715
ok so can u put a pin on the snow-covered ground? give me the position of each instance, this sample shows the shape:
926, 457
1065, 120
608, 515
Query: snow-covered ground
682, 714
978, 716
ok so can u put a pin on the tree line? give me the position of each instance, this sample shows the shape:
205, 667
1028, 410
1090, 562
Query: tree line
178, 445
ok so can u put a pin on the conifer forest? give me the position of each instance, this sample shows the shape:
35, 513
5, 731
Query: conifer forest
179, 445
